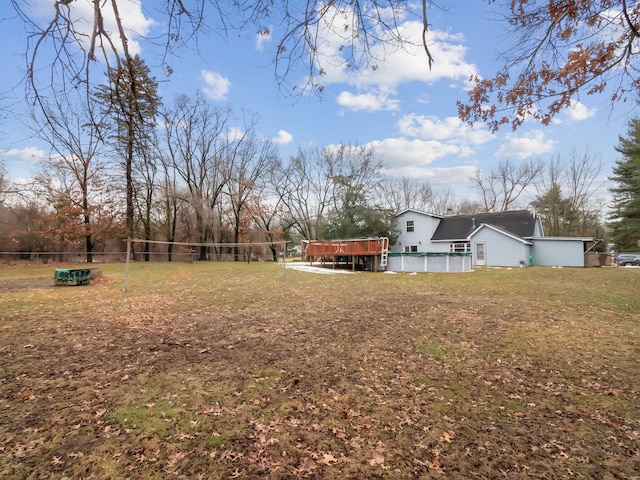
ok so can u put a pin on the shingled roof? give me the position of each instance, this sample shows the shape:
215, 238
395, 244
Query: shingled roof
458, 227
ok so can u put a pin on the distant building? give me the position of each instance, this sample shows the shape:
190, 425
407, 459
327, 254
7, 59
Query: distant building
429, 242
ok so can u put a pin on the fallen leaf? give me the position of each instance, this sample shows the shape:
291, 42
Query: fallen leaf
378, 458
447, 436
175, 458
328, 459
307, 465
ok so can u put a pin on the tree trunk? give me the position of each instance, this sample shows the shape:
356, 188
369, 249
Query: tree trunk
129, 179
88, 239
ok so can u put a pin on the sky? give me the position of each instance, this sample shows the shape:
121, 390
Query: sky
405, 111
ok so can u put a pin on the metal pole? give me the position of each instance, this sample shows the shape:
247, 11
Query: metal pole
126, 268
284, 258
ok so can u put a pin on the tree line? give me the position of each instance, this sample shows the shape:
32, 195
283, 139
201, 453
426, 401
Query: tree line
125, 164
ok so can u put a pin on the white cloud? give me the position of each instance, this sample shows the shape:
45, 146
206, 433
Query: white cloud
283, 137
530, 144
27, 154
410, 64
450, 128
262, 37
575, 112
377, 83
402, 152
215, 86
234, 134
578, 111
396, 65
418, 159
369, 102
442, 176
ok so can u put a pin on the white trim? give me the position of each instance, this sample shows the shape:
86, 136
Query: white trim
456, 240
484, 253
499, 230
413, 210
562, 239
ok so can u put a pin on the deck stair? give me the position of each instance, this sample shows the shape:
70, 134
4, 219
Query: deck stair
384, 253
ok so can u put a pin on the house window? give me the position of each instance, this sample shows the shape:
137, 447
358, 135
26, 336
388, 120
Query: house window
411, 249
410, 226
460, 247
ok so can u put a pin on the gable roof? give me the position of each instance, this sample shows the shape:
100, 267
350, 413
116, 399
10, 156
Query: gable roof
501, 231
520, 223
413, 210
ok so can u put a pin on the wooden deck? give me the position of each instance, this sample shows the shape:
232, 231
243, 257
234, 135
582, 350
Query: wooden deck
368, 253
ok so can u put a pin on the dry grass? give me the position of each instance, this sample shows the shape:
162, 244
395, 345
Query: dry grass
232, 371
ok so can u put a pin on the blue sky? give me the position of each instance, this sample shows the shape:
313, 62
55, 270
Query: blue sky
406, 112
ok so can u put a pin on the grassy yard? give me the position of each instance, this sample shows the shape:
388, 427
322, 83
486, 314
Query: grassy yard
220, 371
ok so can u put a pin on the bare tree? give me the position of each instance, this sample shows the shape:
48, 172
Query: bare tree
585, 183
73, 169
69, 45
566, 194
399, 194
560, 49
466, 207
315, 182
503, 185
195, 142
353, 168
267, 216
4, 182
171, 201
144, 173
247, 158
306, 192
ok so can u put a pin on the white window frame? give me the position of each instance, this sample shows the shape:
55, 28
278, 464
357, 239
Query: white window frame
410, 249
460, 247
481, 253
411, 226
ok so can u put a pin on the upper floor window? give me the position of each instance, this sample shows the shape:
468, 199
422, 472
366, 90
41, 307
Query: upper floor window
410, 226
411, 249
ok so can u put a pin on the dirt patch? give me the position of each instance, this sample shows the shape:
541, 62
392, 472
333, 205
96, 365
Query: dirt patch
17, 285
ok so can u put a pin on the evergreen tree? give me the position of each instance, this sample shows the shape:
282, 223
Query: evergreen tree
625, 213
131, 100
357, 218
558, 214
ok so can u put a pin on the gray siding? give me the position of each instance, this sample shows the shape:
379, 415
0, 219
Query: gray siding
424, 226
551, 252
500, 250
537, 230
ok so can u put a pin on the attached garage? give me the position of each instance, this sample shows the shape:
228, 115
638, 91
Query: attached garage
560, 251
493, 246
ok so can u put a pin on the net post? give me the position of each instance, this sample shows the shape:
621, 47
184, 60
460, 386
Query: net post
284, 258
126, 268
